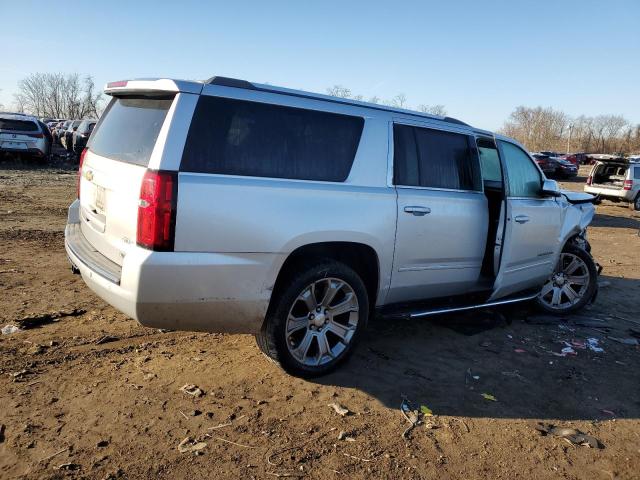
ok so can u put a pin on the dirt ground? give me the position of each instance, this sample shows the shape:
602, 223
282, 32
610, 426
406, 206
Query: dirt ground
86, 392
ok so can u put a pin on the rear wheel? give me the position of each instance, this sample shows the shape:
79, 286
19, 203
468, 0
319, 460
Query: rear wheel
316, 319
635, 205
572, 284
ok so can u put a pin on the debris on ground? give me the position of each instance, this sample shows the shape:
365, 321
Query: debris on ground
592, 343
426, 411
9, 329
344, 436
339, 409
69, 466
39, 320
414, 417
106, 339
192, 390
488, 396
571, 435
2, 428
190, 445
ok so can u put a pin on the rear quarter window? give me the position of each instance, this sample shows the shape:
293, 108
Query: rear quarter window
129, 129
235, 137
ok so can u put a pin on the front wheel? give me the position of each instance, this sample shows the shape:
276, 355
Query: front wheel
572, 284
316, 319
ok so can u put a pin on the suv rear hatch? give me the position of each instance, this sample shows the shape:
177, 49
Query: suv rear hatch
112, 169
18, 134
609, 175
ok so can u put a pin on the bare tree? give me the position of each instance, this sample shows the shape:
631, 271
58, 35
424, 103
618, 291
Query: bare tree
433, 109
58, 95
399, 101
339, 91
547, 129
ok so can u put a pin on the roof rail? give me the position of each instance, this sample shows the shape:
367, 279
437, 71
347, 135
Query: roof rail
237, 83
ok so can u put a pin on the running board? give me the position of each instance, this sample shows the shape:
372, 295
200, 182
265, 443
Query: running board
438, 311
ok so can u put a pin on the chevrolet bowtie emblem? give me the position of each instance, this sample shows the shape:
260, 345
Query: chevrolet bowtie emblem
88, 175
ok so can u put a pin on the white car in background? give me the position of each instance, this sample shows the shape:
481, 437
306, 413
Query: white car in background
23, 134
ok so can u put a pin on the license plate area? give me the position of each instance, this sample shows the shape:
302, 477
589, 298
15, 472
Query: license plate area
99, 201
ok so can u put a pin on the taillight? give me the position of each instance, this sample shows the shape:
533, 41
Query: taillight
84, 152
628, 185
157, 210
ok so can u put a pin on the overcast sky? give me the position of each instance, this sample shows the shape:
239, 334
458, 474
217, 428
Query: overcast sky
480, 59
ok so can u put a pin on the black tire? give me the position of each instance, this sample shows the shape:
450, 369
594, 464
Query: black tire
635, 205
272, 339
592, 286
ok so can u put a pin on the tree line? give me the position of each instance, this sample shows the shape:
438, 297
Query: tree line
58, 95
548, 129
399, 101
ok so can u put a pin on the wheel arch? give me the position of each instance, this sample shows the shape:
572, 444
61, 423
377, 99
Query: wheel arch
362, 258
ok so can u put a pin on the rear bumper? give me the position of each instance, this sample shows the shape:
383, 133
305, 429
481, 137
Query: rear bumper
179, 290
615, 193
25, 151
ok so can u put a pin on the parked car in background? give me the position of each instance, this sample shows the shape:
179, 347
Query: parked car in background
565, 169
59, 129
231, 206
67, 136
81, 135
23, 134
547, 164
576, 158
616, 180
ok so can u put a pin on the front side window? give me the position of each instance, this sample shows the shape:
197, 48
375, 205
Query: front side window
426, 157
524, 177
235, 137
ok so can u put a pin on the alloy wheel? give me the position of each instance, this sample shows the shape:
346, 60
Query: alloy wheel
568, 283
322, 321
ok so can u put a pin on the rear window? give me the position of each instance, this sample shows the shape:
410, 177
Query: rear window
18, 125
129, 129
236, 137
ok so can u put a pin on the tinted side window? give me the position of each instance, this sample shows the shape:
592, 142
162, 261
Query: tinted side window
524, 177
237, 137
636, 173
433, 158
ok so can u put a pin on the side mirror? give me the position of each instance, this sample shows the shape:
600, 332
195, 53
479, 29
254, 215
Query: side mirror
550, 188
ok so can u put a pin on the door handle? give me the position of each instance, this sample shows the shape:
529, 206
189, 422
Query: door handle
417, 210
522, 218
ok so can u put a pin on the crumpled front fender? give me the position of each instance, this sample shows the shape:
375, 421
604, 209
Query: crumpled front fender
575, 218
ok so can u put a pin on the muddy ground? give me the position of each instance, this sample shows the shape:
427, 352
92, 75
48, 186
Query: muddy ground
86, 392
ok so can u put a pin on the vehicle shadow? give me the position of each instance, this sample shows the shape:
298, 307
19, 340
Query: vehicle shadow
448, 362
613, 221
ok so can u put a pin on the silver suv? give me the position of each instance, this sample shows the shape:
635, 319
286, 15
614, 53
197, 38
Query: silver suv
229, 206
616, 180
